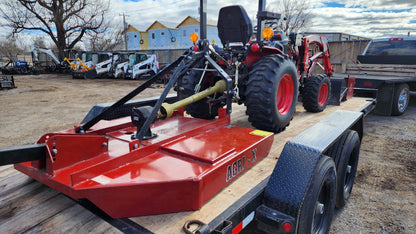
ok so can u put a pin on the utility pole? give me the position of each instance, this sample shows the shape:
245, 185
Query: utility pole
125, 31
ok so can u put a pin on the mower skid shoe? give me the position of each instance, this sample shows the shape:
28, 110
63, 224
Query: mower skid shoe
188, 162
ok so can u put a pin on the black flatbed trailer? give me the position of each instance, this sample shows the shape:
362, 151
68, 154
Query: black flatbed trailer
389, 84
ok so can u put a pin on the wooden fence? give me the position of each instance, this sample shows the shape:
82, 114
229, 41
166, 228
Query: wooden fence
345, 52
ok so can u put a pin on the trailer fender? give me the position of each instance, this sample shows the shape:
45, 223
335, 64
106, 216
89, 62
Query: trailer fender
292, 176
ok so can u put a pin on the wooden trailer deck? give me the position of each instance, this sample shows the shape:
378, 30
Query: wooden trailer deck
29, 206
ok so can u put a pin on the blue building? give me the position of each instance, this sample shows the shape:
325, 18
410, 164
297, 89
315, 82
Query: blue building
162, 35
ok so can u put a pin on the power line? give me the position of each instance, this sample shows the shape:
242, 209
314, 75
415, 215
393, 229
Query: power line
164, 6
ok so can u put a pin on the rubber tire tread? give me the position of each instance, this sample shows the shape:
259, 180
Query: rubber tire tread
325, 170
261, 92
395, 110
201, 108
310, 93
341, 153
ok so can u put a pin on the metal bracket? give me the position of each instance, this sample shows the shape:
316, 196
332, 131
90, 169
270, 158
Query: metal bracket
227, 78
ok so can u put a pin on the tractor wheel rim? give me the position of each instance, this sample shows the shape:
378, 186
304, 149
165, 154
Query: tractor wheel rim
323, 94
284, 96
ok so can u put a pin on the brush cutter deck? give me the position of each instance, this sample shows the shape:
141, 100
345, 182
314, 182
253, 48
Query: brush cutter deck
187, 164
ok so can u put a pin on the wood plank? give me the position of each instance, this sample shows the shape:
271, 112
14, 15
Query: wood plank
172, 223
72, 220
13, 182
6, 171
382, 65
402, 70
382, 73
30, 212
382, 69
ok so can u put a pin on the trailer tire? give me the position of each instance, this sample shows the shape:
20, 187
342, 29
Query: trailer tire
346, 155
315, 93
400, 99
200, 109
271, 93
318, 204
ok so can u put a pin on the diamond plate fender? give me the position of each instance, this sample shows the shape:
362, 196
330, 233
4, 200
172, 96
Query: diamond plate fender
291, 177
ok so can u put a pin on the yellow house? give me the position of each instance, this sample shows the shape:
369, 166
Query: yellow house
190, 25
136, 40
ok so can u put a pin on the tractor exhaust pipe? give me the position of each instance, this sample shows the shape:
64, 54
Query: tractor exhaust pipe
166, 110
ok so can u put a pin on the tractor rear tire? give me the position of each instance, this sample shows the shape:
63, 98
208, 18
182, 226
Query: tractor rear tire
271, 93
201, 109
315, 93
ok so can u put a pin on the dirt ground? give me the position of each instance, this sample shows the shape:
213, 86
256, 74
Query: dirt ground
384, 194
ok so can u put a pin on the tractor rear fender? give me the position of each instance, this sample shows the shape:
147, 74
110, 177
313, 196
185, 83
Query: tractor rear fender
252, 57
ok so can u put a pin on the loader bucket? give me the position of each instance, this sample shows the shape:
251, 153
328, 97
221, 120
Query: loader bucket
84, 74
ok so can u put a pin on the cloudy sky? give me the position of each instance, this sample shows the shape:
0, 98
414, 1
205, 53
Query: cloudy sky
368, 18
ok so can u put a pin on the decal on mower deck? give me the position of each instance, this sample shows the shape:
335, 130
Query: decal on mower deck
235, 168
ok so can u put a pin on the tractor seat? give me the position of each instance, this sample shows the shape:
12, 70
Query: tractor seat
234, 25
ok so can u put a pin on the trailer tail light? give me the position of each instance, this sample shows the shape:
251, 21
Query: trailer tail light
270, 220
255, 47
395, 39
287, 227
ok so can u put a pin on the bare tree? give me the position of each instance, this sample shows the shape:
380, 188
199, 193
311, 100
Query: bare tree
64, 21
10, 48
108, 40
296, 13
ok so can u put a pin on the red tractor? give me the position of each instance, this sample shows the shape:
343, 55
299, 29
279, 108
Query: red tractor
260, 73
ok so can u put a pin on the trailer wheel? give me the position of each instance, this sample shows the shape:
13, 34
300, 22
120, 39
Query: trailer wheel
316, 91
400, 99
271, 93
345, 154
318, 206
201, 109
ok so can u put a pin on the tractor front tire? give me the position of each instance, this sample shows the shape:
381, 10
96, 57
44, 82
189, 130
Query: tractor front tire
315, 93
271, 93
